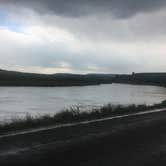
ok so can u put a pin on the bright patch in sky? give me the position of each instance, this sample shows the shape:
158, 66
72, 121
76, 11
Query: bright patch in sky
6, 21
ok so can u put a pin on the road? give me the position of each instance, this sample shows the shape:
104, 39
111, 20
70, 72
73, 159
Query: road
134, 139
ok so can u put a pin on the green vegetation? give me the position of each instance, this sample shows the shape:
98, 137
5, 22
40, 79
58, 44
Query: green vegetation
74, 115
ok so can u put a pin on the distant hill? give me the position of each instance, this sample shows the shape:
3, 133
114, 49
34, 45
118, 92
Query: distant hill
13, 78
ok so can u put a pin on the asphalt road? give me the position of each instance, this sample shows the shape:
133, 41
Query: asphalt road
128, 140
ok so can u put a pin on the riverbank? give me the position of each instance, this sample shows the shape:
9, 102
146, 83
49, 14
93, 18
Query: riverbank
73, 115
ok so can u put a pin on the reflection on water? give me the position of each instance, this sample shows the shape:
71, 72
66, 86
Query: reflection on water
18, 101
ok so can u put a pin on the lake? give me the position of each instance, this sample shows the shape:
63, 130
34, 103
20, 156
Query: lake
19, 101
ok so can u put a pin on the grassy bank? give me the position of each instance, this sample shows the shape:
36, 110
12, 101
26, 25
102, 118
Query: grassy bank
74, 115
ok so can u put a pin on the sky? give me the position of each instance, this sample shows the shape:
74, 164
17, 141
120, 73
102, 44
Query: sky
83, 36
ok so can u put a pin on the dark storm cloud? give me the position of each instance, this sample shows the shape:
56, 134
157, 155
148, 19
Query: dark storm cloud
76, 8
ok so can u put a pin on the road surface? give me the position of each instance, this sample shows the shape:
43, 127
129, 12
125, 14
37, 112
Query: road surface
134, 139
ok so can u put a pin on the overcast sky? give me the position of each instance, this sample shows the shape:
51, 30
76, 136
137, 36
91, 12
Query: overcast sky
83, 36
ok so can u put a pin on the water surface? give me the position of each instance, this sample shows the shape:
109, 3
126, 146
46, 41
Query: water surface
18, 101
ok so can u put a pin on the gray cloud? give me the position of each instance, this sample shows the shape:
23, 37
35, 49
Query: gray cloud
76, 8
98, 42
103, 28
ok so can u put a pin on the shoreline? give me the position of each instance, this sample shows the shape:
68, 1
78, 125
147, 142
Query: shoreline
29, 131
90, 84
70, 116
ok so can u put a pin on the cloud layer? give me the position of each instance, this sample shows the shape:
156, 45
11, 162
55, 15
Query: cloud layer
118, 8
81, 36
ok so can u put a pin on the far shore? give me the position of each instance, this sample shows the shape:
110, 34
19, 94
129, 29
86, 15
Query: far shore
14, 78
